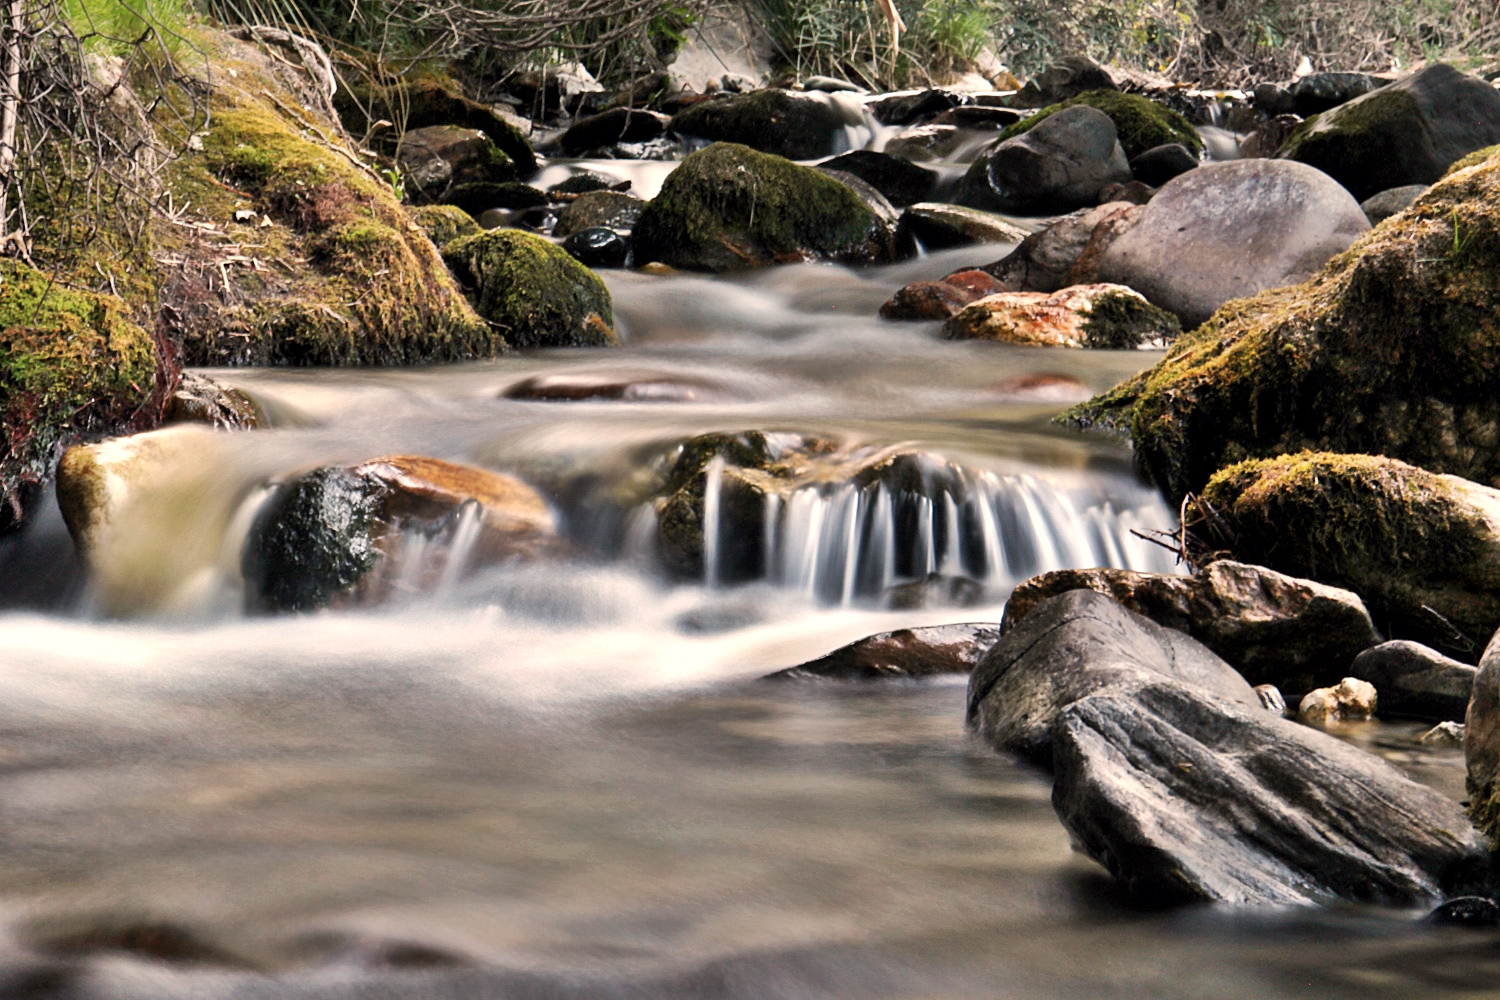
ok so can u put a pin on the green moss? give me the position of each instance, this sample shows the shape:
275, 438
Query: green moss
72, 366
1368, 145
1141, 123
1422, 556
533, 290
1122, 321
444, 223
728, 207
1474, 159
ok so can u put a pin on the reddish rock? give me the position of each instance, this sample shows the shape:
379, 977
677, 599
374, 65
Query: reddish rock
940, 299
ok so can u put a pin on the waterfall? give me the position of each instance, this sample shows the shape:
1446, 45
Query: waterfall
712, 488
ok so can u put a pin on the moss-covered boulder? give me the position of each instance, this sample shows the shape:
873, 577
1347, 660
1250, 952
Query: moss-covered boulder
1394, 348
1407, 132
797, 126
444, 223
1422, 550
533, 290
1140, 123
1110, 317
1064, 163
728, 207
72, 367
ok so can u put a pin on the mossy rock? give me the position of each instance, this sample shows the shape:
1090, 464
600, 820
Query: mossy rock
444, 223
72, 367
1394, 349
797, 126
1473, 159
533, 290
1140, 122
423, 101
1422, 550
728, 208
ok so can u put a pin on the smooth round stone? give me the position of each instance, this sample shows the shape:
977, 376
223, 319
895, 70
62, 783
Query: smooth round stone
598, 247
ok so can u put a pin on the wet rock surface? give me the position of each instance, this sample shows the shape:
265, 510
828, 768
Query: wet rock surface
1048, 260
1057, 166
1415, 681
599, 210
939, 299
901, 181
904, 653
1109, 317
533, 290
938, 227
796, 126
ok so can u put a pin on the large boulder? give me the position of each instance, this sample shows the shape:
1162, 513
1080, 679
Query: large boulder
347, 535
1415, 681
908, 653
1110, 317
533, 290
1272, 628
1390, 350
796, 126
1408, 132
1141, 124
1187, 798
728, 207
1072, 646
1422, 550
1060, 164
1227, 230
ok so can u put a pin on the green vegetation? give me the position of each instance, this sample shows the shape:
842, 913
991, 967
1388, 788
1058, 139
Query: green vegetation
444, 223
122, 27
1141, 123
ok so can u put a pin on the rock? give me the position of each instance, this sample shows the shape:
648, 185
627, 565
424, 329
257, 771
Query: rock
937, 590
1140, 123
1269, 136
939, 299
1467, 911
928, 142
1318, 92
1271, 699
633, 389
610, 127
832, 85
1350, 700
74, 368
901, 181
199, 399
582, 182
1117, 219
796, 126
1482, 744
533, 290
1111, 317
938, 227
1135, 193
1044, 259
1041, 388
1068, 77
1160, 164
416, 103
905, 653
1422, 550
340, 535
1227, 230
598, 247
1382, 206
1186, 798
1071, 646
905, 109
1444, 734
1415, 681
477, 199
1387, 351
1407, 132
728, 207
444, 223
1272, 100
1272, 628
600, 209
978, 116
1058, 165
435, 159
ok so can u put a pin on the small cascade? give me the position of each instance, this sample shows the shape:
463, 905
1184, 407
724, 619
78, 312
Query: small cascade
428, 557
713, 487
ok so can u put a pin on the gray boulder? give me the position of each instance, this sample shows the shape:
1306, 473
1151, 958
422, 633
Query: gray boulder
1072, 646
1160, 164
1187, 798
1482, 743
1228, 230
1045, 260
1416, 681
907, 652
1382, 206
1318, 92
1059, 165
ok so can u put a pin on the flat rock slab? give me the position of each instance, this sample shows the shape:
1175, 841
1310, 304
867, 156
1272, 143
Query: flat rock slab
907, 652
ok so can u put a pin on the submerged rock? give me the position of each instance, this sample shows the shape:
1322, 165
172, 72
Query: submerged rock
1060, 164
1407, 132
728, 207
635, 389
1272, 628
1422, 550
1415, 681
1110, 317
344, 535
1350, 700
905, 653
796, 126
533, 290
1388, 351
1226, 230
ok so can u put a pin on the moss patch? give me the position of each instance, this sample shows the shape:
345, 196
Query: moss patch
1413, 544
538, 294
444, 223
1367, 145
728, 207
1119, 321
1141, 123
72, 366
1393, 349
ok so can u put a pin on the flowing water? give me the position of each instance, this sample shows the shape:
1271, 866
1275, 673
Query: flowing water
563, 779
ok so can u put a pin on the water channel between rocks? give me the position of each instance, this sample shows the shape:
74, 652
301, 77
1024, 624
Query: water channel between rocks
564, 780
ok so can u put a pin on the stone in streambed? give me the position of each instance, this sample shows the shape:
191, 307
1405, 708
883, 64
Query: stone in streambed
904, 653
1319, 92
1040, 388
940, 227
796, 126
1141, 124
444, 223
1350, 700
435, 159
1382, 206
901, 181
1273, 628
199, 399
1048, 260
1058, 165
1110, 317
1160, 164
533, 290
600, 209
940, 299
633, 389
598, 247
610, 127
729, 207
1415, 681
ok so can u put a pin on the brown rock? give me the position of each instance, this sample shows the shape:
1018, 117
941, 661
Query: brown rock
1105, 316
939, 299
567, 386
1043, 259
920, 652
1350, 700
1042, 387
1085, 269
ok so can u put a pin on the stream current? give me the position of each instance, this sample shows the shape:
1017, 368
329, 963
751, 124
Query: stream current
564, 780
